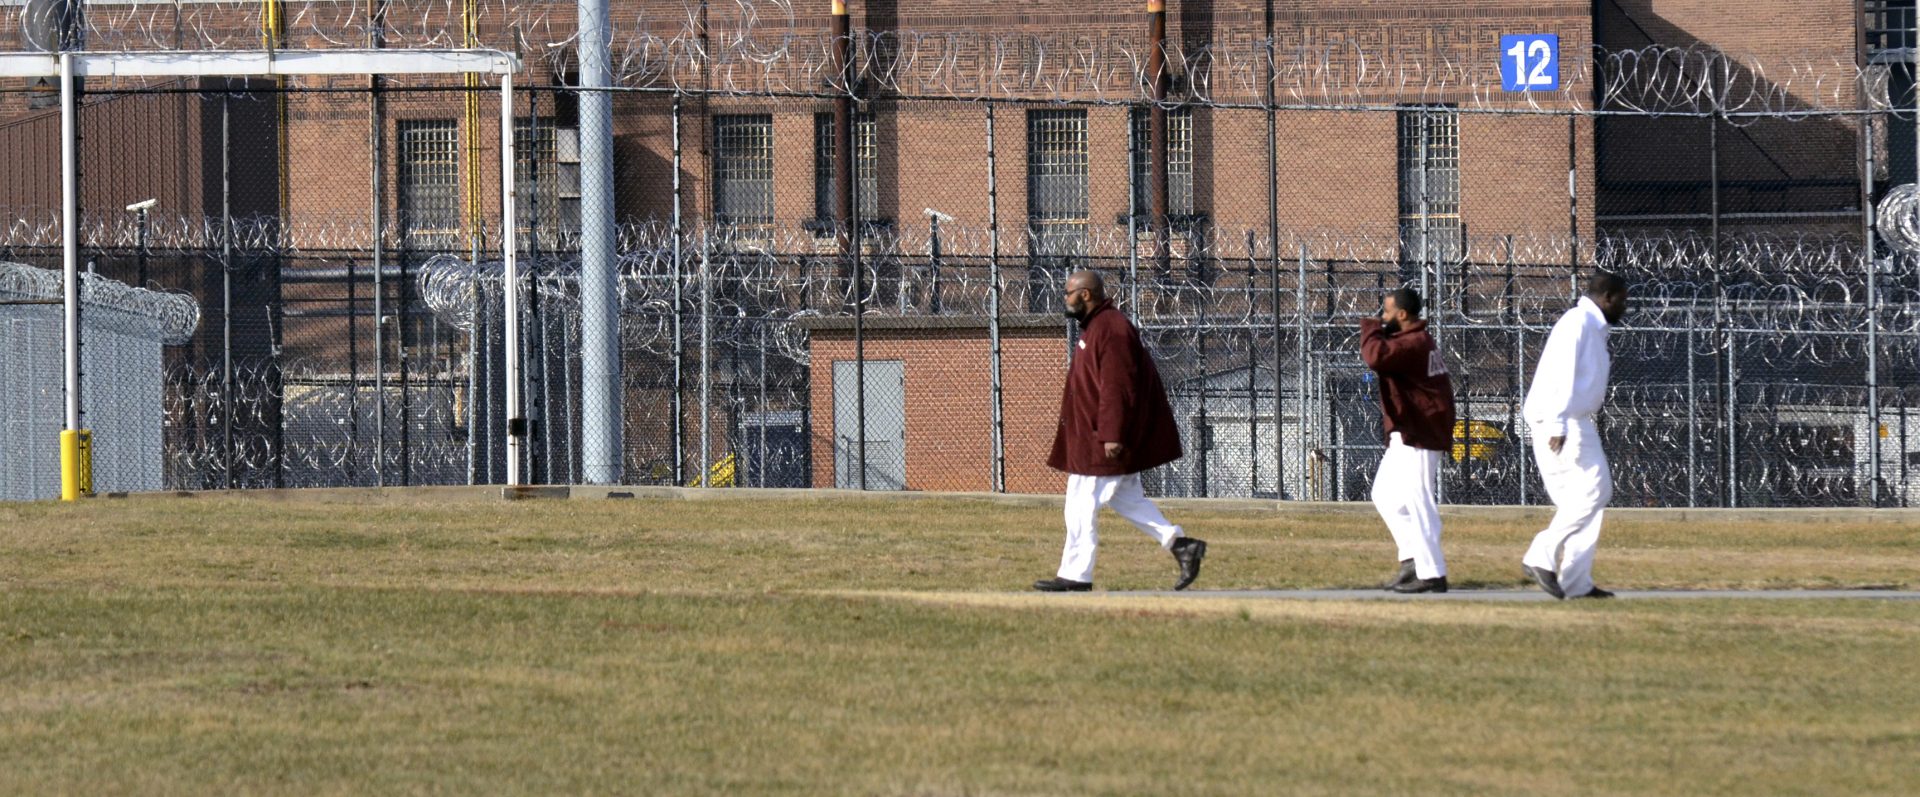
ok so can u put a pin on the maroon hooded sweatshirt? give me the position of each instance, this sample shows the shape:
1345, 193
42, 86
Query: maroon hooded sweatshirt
1416, 395
1113, 394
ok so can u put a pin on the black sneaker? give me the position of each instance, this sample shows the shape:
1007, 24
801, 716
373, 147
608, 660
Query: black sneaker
1595, 593
1188, 552
1547, 579
1057, 584
1420, 585
1405, 575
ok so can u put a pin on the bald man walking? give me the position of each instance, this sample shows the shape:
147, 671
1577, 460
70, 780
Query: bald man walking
1115, 422
1569, 387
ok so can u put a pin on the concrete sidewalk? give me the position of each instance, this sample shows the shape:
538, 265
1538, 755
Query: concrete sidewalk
1527, 595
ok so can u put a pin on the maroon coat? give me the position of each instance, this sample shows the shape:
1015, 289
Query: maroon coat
1416, 395
1113, 394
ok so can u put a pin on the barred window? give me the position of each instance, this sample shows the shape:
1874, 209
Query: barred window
546, 173
865, 167
1179, 161
743, 171
429, 183
1889, 25
1430, 231
1057, 181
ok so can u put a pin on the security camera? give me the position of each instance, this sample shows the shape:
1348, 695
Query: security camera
938, 215
144, 204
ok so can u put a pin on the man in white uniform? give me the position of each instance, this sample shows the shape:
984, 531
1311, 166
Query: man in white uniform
1569, 386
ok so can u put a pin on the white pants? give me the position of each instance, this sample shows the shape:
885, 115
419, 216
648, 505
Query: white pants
1580, 484
1403, 492
1122, 494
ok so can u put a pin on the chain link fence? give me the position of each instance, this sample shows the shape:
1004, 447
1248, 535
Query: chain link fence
340, 239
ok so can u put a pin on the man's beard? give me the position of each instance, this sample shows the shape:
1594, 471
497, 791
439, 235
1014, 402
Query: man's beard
1074, 314
1392, 327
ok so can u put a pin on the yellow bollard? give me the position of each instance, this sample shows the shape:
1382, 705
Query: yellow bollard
76, 464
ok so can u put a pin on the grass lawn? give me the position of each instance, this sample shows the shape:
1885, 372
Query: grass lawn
235, 645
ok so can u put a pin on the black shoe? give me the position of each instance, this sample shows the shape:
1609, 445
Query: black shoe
1595, 593
1057, 584
1405, 575
1188, 552
1547, 579
1420, 585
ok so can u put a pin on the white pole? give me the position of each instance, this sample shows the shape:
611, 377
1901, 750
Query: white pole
70, 235
516, 423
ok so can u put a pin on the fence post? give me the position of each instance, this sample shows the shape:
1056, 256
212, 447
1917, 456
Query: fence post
1693, 416
706, 362
1733, 429
1300, 307
679, 307
993, 312
1873, 314
226, 296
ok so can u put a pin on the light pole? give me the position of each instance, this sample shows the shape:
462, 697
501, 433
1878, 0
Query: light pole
141, 208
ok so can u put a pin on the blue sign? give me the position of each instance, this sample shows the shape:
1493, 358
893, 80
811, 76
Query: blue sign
1530, 62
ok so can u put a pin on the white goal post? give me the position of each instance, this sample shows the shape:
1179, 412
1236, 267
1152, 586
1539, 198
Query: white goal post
67, 66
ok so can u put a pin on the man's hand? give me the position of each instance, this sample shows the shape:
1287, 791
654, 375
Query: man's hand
1115, 450
1555, 443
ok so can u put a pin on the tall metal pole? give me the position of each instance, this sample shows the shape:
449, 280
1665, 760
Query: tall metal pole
1733, 432
993, 313
706, 363
1273, 250
600, 396
679, 307
509, 244
1301, 305
1730, 394
845, 199
1133, 220
226, 294
762, 453
1873, 313
1422, 132
1573, 193
70, 234
1693, 418
376, 135
1157, 134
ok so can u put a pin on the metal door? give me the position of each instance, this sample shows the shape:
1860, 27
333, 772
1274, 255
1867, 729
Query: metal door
886, 448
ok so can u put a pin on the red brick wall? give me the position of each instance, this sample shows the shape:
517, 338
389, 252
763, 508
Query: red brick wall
949, 410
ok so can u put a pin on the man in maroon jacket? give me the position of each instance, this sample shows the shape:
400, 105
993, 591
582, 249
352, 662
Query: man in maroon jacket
1114, 423
1416, 398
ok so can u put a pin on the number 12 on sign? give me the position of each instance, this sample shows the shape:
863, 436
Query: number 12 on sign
1530, 62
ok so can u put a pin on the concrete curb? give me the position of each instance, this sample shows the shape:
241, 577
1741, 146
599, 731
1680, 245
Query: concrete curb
487, 493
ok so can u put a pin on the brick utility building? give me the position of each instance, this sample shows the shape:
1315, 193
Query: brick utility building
1393, 135
929, 423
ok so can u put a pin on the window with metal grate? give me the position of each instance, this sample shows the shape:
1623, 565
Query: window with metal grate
429, 184
743, 173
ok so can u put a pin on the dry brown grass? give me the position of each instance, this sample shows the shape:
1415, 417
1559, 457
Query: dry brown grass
869, 647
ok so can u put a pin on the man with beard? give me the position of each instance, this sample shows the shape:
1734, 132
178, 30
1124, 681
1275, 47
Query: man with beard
1569, 386
1416, 401
1114, 423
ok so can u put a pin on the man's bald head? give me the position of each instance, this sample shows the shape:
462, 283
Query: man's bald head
1090, 280
1085, 292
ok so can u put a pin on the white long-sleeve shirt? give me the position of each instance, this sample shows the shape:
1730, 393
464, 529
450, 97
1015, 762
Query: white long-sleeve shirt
1571, 381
